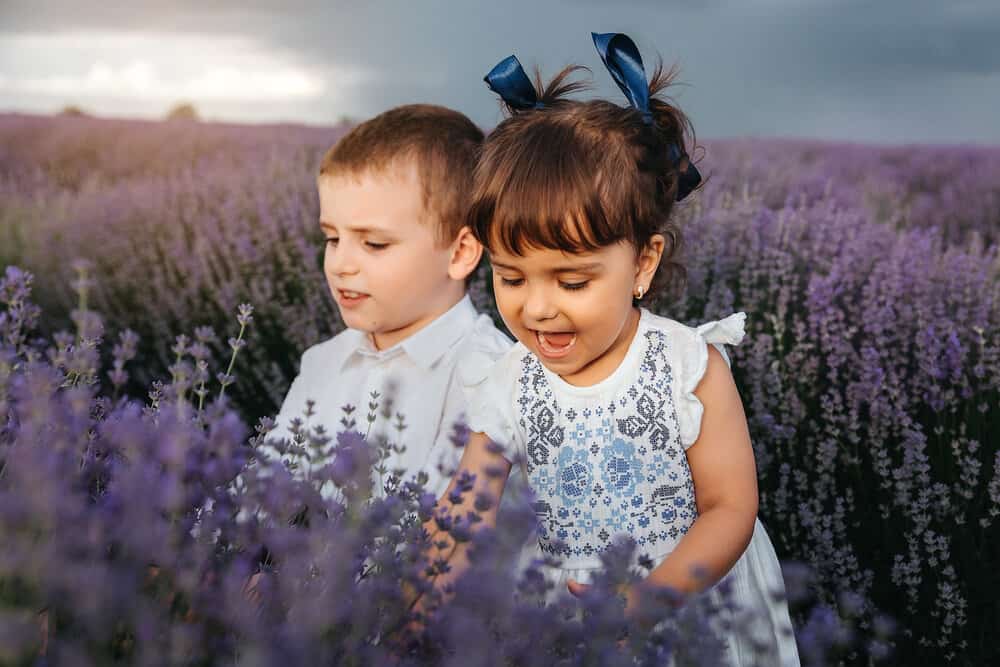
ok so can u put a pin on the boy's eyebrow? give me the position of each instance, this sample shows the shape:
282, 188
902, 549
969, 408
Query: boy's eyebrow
559, 269
361, 230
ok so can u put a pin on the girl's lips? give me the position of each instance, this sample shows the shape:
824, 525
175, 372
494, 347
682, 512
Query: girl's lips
548, 349
349, 299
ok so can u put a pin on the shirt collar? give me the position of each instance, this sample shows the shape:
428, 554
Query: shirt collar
427, 345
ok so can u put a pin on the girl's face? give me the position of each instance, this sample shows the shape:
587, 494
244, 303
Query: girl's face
574, 311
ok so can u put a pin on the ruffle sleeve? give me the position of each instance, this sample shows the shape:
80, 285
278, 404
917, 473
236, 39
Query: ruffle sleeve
488, 391
727, 331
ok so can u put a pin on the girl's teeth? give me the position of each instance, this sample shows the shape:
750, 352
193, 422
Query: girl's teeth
556, 340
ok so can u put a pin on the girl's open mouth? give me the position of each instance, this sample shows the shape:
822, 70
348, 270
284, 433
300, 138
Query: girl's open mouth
555, 344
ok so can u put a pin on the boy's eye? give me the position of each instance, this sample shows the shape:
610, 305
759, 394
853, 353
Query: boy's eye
574, 286
511, 282
332, 240
376, 246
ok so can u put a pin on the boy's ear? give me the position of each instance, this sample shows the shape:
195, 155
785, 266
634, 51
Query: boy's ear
466, 252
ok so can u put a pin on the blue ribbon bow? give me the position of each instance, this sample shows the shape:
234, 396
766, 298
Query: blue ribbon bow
621, 57
508, 80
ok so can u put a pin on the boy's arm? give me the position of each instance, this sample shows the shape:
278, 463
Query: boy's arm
475, 488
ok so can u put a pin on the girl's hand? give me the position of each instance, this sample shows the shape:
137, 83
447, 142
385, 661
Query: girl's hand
630, 593
251, 590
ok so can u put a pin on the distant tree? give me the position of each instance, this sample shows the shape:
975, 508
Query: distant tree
73, 110
183, 111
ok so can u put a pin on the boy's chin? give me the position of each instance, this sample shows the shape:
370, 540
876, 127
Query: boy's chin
376, 331
352, 320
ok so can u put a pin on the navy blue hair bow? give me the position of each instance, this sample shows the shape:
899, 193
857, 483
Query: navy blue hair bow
621, 57
509, 81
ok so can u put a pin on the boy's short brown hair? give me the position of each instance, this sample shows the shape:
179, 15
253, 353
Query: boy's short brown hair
443, 144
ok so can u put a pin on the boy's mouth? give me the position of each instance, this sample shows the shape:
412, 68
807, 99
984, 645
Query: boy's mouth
555, 344
350, 298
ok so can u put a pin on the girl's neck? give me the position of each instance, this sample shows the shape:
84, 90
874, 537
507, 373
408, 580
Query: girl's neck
604, 366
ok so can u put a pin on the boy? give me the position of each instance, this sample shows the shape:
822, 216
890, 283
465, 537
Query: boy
393, 197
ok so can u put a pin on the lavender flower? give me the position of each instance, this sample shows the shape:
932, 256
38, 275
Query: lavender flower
870, 377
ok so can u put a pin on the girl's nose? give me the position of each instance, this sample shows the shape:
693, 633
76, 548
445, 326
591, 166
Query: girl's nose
538, 307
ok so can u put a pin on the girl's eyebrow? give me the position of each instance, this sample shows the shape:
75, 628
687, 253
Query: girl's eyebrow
576, 268
592, 266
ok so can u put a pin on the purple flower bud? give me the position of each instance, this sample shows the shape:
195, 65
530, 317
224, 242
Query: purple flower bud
244, 317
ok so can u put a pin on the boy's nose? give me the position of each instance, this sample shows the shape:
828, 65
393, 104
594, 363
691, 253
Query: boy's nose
340, 261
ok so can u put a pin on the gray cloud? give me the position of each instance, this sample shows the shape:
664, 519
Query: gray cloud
910, 40
889, 71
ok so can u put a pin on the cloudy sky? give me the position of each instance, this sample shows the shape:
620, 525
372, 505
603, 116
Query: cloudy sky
884, 71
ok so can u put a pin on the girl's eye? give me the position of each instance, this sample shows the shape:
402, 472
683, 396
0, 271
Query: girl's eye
574, 286
511, 282
376, 246
332, 240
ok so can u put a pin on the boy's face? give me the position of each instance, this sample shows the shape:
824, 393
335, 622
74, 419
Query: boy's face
383, 262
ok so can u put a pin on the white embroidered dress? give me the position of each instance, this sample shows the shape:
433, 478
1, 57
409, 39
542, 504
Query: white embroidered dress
610, 458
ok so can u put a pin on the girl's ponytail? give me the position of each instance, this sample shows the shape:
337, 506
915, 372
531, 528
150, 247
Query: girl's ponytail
675, 134
518, 94
621, 57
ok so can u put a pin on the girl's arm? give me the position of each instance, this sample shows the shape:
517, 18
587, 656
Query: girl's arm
483, 459
725, 484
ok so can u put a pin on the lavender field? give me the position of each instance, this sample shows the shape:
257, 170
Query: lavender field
870, 376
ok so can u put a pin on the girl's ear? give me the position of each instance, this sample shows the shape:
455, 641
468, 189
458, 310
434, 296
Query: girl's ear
648, 261
466, 252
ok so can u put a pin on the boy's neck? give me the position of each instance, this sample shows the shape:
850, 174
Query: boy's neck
385, 340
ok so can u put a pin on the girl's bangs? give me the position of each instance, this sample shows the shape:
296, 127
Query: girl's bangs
540, 213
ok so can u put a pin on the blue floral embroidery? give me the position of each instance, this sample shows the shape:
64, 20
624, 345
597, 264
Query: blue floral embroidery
543, 482
588, 523
573, 476
657, 468
599, 470
604, 432
581, 434
621, 469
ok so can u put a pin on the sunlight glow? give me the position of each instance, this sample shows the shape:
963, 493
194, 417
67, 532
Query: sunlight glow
161, 67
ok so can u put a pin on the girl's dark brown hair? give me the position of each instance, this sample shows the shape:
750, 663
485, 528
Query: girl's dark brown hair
579, 175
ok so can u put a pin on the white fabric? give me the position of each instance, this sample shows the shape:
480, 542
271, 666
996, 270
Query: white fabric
728, 331
424, 374
609, 459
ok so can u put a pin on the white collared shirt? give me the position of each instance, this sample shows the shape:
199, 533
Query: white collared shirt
425, 374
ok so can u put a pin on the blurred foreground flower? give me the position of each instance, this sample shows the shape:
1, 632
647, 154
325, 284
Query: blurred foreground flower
131, 533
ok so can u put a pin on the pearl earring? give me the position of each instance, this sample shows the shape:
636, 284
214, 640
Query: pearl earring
639, 292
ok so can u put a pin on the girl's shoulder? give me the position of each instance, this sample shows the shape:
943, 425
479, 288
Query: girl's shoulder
690, 342
688, 347
489, 392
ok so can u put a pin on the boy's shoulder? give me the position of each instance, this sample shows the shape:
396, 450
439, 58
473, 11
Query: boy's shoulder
484, 336
481, 347
480, 342
333, 350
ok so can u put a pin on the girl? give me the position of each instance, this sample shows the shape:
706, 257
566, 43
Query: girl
626, 421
